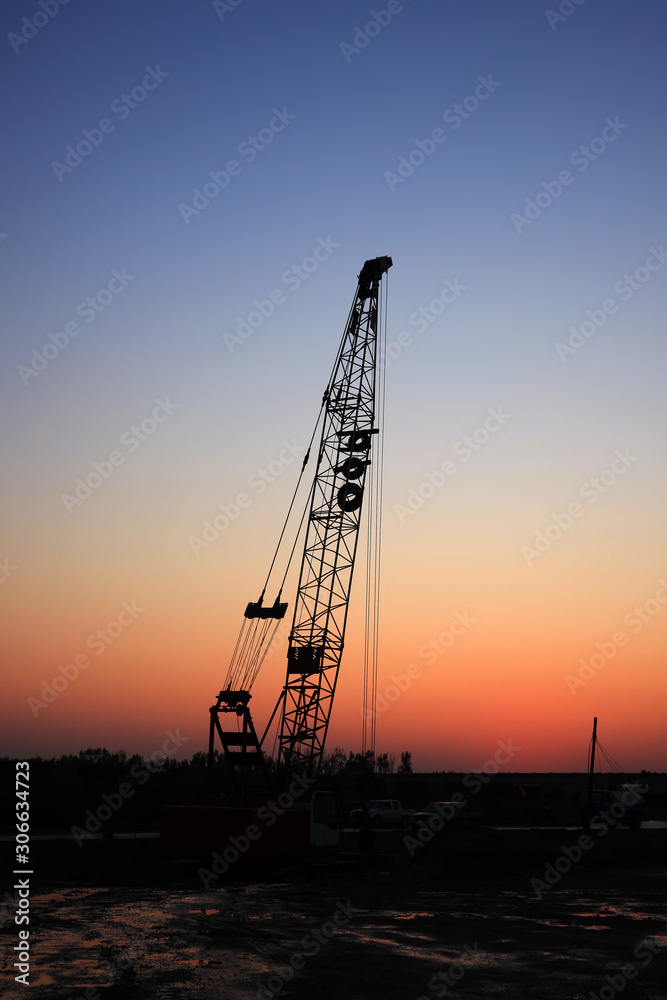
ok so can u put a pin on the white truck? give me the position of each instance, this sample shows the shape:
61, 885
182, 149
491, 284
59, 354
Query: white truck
382, 812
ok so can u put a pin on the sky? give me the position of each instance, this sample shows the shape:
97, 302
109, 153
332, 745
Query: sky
167, 168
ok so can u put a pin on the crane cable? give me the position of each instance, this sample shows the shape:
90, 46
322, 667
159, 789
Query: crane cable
373, 547
610, 760
251, 645
380, 477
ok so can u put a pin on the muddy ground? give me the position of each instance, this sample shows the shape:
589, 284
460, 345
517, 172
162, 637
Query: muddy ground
462, 917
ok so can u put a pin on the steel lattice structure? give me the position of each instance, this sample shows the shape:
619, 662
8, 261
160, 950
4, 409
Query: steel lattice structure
320, 614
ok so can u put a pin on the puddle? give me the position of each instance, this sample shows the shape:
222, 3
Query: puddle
165, 943
62, 895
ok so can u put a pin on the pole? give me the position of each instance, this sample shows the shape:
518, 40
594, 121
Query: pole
590, 775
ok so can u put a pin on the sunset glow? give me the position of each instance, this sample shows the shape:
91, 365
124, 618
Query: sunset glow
524, 570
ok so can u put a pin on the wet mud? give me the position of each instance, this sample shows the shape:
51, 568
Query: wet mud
345, 929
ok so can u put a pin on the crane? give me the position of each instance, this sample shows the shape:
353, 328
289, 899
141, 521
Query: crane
317, 634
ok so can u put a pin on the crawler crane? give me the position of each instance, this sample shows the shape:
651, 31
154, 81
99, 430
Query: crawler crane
343, 474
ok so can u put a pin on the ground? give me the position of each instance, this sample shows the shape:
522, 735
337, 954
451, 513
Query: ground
353, 928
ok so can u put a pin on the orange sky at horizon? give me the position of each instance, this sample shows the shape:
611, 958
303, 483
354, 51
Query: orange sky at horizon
521, 633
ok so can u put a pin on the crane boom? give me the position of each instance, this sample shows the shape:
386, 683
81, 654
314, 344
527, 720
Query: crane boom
318, 628
320, 614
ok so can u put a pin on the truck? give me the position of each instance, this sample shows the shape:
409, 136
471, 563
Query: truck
625, 805
381, 812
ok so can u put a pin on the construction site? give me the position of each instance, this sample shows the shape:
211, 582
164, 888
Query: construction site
284, 867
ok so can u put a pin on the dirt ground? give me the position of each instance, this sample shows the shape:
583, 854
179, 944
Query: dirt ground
351, 928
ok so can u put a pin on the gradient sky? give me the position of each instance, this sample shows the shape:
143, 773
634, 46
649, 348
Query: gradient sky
328, 176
